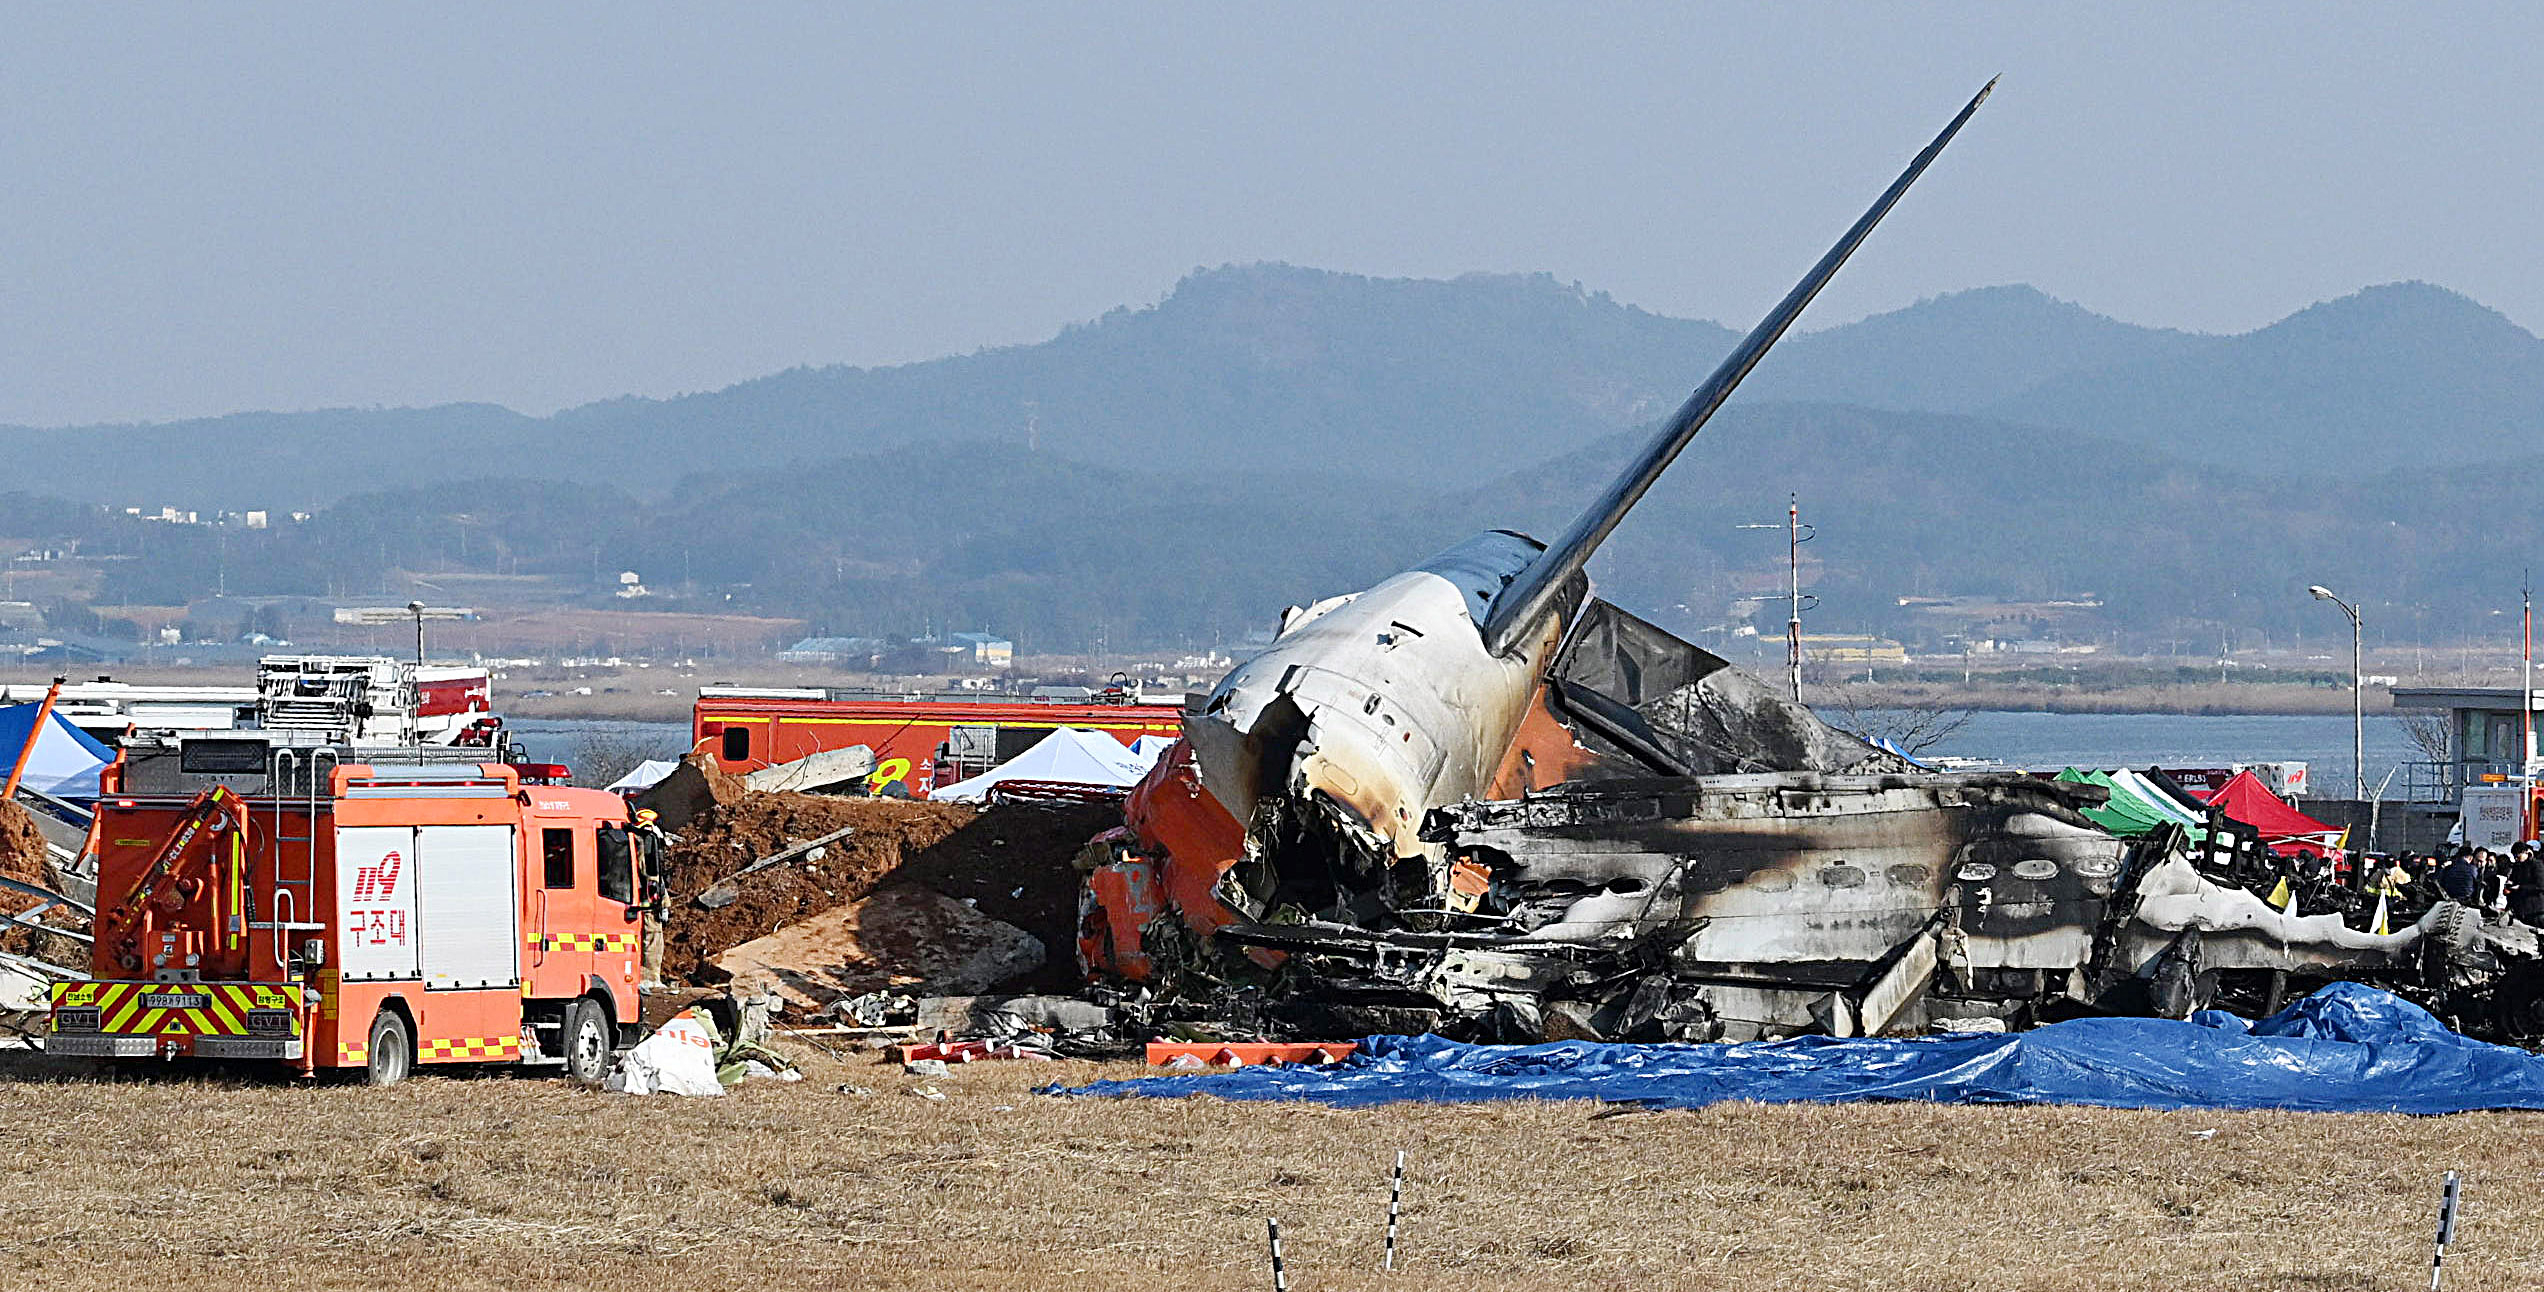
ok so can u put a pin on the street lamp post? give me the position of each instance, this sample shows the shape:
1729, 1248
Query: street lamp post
2358, 706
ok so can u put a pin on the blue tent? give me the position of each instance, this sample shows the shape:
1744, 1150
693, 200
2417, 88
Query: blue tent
2346, 1048
66, 759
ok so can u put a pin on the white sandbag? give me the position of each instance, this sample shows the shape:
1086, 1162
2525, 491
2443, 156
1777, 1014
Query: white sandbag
678, 1059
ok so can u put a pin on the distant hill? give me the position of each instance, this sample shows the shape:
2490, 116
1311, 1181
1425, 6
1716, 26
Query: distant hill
2401, 373
1921, 504
1446, 384
1961, 353
272, 461
1064, 553
1259, 367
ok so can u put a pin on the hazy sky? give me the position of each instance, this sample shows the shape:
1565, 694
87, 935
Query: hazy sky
208, 208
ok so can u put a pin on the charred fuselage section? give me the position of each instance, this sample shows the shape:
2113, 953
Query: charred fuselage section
1754, 905
1472, 799
1716, 863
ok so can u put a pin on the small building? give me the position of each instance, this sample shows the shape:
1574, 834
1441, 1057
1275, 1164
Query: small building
983, 649
2488, 737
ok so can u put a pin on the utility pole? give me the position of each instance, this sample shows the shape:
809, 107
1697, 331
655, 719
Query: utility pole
1796, 534
1793, 625
2358, 706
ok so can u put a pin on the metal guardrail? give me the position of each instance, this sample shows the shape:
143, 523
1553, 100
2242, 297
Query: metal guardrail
2442, 782
2428, 782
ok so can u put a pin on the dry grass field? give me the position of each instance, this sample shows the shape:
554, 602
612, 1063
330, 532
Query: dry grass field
505, 1181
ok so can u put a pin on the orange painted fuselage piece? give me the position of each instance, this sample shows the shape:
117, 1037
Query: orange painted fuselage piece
1183, 841
1180, 842
1542, 755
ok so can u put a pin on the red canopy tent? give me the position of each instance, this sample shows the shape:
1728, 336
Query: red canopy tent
2244, 798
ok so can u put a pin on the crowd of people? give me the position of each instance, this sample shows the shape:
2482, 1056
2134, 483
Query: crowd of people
2510, 886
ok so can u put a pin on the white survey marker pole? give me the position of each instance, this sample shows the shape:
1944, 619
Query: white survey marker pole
2446, 1230
1395, 1208
1280, 1276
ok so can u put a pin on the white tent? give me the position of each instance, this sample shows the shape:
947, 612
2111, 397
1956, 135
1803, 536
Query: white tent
1068, 756
645, 775
65, 761
1148, 749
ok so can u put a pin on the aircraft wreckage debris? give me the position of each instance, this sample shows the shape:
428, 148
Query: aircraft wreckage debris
1476, 800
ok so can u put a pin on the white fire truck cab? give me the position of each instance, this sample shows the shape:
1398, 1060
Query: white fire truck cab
329, 907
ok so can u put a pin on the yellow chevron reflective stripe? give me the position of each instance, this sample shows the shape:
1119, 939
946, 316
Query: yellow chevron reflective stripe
125, 1008
470, 1047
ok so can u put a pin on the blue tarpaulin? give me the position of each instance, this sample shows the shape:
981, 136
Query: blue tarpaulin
2346, 1048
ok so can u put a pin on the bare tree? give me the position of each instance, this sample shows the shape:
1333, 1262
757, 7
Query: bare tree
603, 754
1909, 727
2428, 733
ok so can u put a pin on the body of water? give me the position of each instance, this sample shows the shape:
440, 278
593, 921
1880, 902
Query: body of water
556, 740
2053, 740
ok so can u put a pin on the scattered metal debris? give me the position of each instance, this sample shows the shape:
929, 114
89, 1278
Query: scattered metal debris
728, 890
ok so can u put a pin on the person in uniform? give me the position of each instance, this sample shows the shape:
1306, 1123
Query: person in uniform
650, 844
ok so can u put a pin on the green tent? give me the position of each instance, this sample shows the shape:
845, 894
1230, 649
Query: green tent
2128, 814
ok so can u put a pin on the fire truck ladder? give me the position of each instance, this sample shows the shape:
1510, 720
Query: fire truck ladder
208, 808
295, 898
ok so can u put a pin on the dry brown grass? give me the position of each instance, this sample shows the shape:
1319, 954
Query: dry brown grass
513, 1182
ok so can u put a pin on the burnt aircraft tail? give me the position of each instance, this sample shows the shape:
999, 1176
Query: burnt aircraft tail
1524, 605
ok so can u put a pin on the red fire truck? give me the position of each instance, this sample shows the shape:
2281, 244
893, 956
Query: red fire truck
325, 908
920, 741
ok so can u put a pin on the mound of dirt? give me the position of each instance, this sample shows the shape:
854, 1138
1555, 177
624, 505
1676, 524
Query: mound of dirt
732, 835
1012, 862
23, 858
22, 855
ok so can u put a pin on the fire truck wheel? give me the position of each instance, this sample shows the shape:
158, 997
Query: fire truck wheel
392, 1055
587, 1041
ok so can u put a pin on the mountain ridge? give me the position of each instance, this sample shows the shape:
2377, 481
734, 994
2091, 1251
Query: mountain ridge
1272, 367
